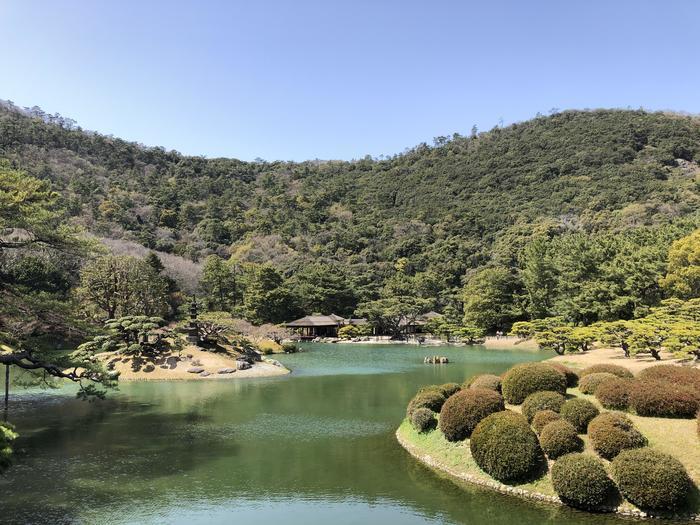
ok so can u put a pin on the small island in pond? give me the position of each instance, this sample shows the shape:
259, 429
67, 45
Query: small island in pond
600, 439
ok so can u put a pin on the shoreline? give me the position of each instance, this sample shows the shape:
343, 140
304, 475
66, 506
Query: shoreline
528, 494
491, 342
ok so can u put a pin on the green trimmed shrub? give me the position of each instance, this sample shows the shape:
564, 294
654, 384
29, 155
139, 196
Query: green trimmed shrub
589, 383
462, 412
580, 481
544, 400
579, 412
505, 447
528, 378
674, 374
651, 479
617, 370
559, 438
615, 393
661, 399
490, 381
611, 433
432, 399
570, 375
543, 417
449, 389
423, 420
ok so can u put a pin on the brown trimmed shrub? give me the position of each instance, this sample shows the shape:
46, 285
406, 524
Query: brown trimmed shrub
570, 375
662, 399
615, 393
505, 447
423, 420
579, 412
559, 438
528, 378
545, 400
490, 381
651, 479
589, 383
462, 412
449, 389
619, 371
580, 481
543, 417
679, 375
431, 399
611, 433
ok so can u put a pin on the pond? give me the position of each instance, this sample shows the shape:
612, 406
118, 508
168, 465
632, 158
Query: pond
316, 446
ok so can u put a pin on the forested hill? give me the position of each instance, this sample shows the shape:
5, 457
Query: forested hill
435, 211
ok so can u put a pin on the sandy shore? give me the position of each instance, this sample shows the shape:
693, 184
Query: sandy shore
510, 342
613, 356
170, 368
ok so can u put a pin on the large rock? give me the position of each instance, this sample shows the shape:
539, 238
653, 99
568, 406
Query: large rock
195, 370
226, 370
242, 365
205, 374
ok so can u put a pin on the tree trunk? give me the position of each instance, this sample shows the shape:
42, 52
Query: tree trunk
625, 349
655, 354
7, 391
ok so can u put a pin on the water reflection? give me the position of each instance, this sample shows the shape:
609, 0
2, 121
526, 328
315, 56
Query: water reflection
313, 447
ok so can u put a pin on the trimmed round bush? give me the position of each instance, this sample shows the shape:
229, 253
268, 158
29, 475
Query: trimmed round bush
541, 401
462, 412
589, 383
651, 479
680, 375
661, 399
569, 374
579, 412
617, 370
431, 399
528, 378
580, 481
559, 438
505, 447
611, 433
449, 389
423, 420
543, 417
615, 393
490, 381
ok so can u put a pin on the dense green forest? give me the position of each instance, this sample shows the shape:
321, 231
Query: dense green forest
569, 215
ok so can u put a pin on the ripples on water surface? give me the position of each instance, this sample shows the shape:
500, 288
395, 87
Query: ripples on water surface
317, 446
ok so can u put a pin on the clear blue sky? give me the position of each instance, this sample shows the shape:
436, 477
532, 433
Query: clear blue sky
300, 79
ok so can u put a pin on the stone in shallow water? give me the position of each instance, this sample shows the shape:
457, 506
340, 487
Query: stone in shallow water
195, 370
226, 371
242, 365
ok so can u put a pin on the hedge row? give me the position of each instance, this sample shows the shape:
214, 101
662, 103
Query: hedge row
662, 399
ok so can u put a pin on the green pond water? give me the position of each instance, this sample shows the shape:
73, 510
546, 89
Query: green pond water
316, 446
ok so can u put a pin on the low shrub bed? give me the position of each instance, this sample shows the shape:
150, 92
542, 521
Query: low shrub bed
611, 433
619, 371
679, 375
544, 400
429, 398
662, 399
590, 383
543, 417
651, 479
423, 420
528, 378
559, 438
579, 412
449, 389
462, 412
569, 374
580, 481
615, 393
490, 381
505, 447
